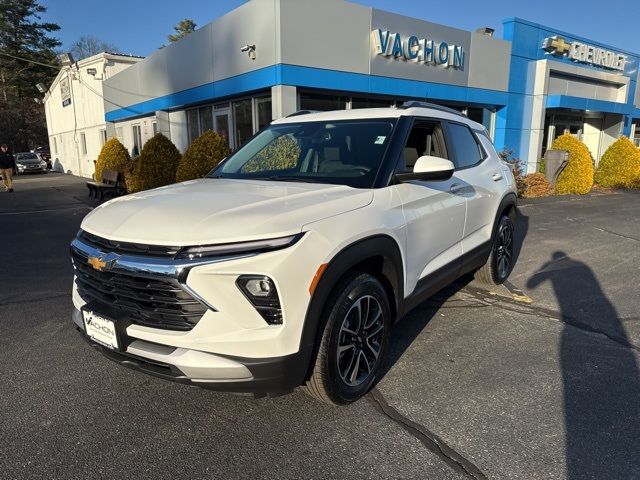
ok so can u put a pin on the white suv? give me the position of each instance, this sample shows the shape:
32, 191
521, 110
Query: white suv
289, 263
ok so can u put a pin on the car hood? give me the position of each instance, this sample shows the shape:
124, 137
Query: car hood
210, 211
29, 161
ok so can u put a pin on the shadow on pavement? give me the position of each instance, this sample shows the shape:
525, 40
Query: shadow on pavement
601, 381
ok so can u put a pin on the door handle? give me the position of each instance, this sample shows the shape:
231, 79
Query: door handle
497, 177
456, 188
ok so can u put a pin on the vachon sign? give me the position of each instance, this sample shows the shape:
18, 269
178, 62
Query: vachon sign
419, 50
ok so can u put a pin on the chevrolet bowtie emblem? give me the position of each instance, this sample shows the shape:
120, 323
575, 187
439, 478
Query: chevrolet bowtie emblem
97, 263
556, 45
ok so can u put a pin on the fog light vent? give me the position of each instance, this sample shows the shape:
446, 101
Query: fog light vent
262, 293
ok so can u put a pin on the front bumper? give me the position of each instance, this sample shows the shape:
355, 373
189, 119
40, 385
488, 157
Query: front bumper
276, 375
231, 347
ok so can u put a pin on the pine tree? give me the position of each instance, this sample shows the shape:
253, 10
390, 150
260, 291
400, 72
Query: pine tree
24, 36
182, 28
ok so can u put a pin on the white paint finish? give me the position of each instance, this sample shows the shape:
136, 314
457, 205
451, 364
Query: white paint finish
425, 220
483, 195
220, 211
425, 205
84, 115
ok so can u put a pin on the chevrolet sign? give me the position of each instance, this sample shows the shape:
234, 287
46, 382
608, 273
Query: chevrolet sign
584, 53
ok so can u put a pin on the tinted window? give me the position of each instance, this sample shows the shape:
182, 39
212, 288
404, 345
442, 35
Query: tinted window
468, 151
425, 138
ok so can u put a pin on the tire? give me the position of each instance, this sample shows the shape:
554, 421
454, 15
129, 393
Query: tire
341, 378
501, 259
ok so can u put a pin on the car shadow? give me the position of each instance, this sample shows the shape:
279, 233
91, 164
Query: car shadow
601, 382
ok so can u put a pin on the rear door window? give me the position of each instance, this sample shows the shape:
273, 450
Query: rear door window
467, 150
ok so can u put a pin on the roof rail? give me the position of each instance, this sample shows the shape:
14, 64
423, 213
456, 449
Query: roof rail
300, 112
433, 106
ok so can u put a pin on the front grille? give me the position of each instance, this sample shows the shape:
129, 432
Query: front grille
153, 302
127, 247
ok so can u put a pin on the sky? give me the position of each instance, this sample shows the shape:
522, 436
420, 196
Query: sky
139, 27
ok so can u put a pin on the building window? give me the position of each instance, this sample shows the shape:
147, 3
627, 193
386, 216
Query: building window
103, 137
206, 119
322, 102
243, 121
119, 134
263, 112
83, 143
192, 124
154, 126
137, 140
370, 102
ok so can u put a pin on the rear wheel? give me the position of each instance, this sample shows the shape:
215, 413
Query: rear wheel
354, 340
501, 259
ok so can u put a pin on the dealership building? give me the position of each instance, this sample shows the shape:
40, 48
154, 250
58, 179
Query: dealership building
269, 58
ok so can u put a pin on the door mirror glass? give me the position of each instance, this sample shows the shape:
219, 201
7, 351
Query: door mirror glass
428, 167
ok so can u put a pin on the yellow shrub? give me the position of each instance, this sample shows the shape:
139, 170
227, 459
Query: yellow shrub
203, 154
536, 185
577, 177
620, 165
113, 156
281, 154
155, 167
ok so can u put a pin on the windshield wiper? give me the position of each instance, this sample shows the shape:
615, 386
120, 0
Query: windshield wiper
288, 178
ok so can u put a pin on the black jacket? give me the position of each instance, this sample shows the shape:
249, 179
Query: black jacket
7, 160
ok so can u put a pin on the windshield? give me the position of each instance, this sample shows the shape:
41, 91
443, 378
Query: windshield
27, 156
342, 152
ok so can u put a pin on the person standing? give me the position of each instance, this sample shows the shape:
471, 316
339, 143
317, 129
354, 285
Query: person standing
7, 165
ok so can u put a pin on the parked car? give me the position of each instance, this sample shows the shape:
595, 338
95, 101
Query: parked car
29, 162
45, 154
290, 262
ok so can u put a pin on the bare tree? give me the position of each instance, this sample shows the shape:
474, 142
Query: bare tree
88, 45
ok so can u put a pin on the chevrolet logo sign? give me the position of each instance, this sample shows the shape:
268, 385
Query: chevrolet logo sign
97, 263
556, 45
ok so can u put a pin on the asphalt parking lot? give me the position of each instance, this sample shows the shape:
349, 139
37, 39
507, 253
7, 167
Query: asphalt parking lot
479, 384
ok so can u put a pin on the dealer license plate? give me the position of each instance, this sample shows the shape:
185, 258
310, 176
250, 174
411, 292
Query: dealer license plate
100, 329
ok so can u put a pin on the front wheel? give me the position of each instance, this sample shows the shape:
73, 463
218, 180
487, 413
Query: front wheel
501, 259
354, 341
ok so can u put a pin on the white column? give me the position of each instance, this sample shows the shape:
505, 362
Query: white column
284, 101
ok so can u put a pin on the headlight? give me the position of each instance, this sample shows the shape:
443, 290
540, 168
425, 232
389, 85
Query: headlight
20, 165
252, 247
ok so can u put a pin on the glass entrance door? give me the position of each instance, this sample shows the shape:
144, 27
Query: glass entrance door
222, 125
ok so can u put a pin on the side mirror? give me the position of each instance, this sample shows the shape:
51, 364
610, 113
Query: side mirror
428, 168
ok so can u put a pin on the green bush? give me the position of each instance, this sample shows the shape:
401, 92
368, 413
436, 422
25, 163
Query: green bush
281, 154
536, 185
577, 177
620, 165
113, 156
155, 167
202, 156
